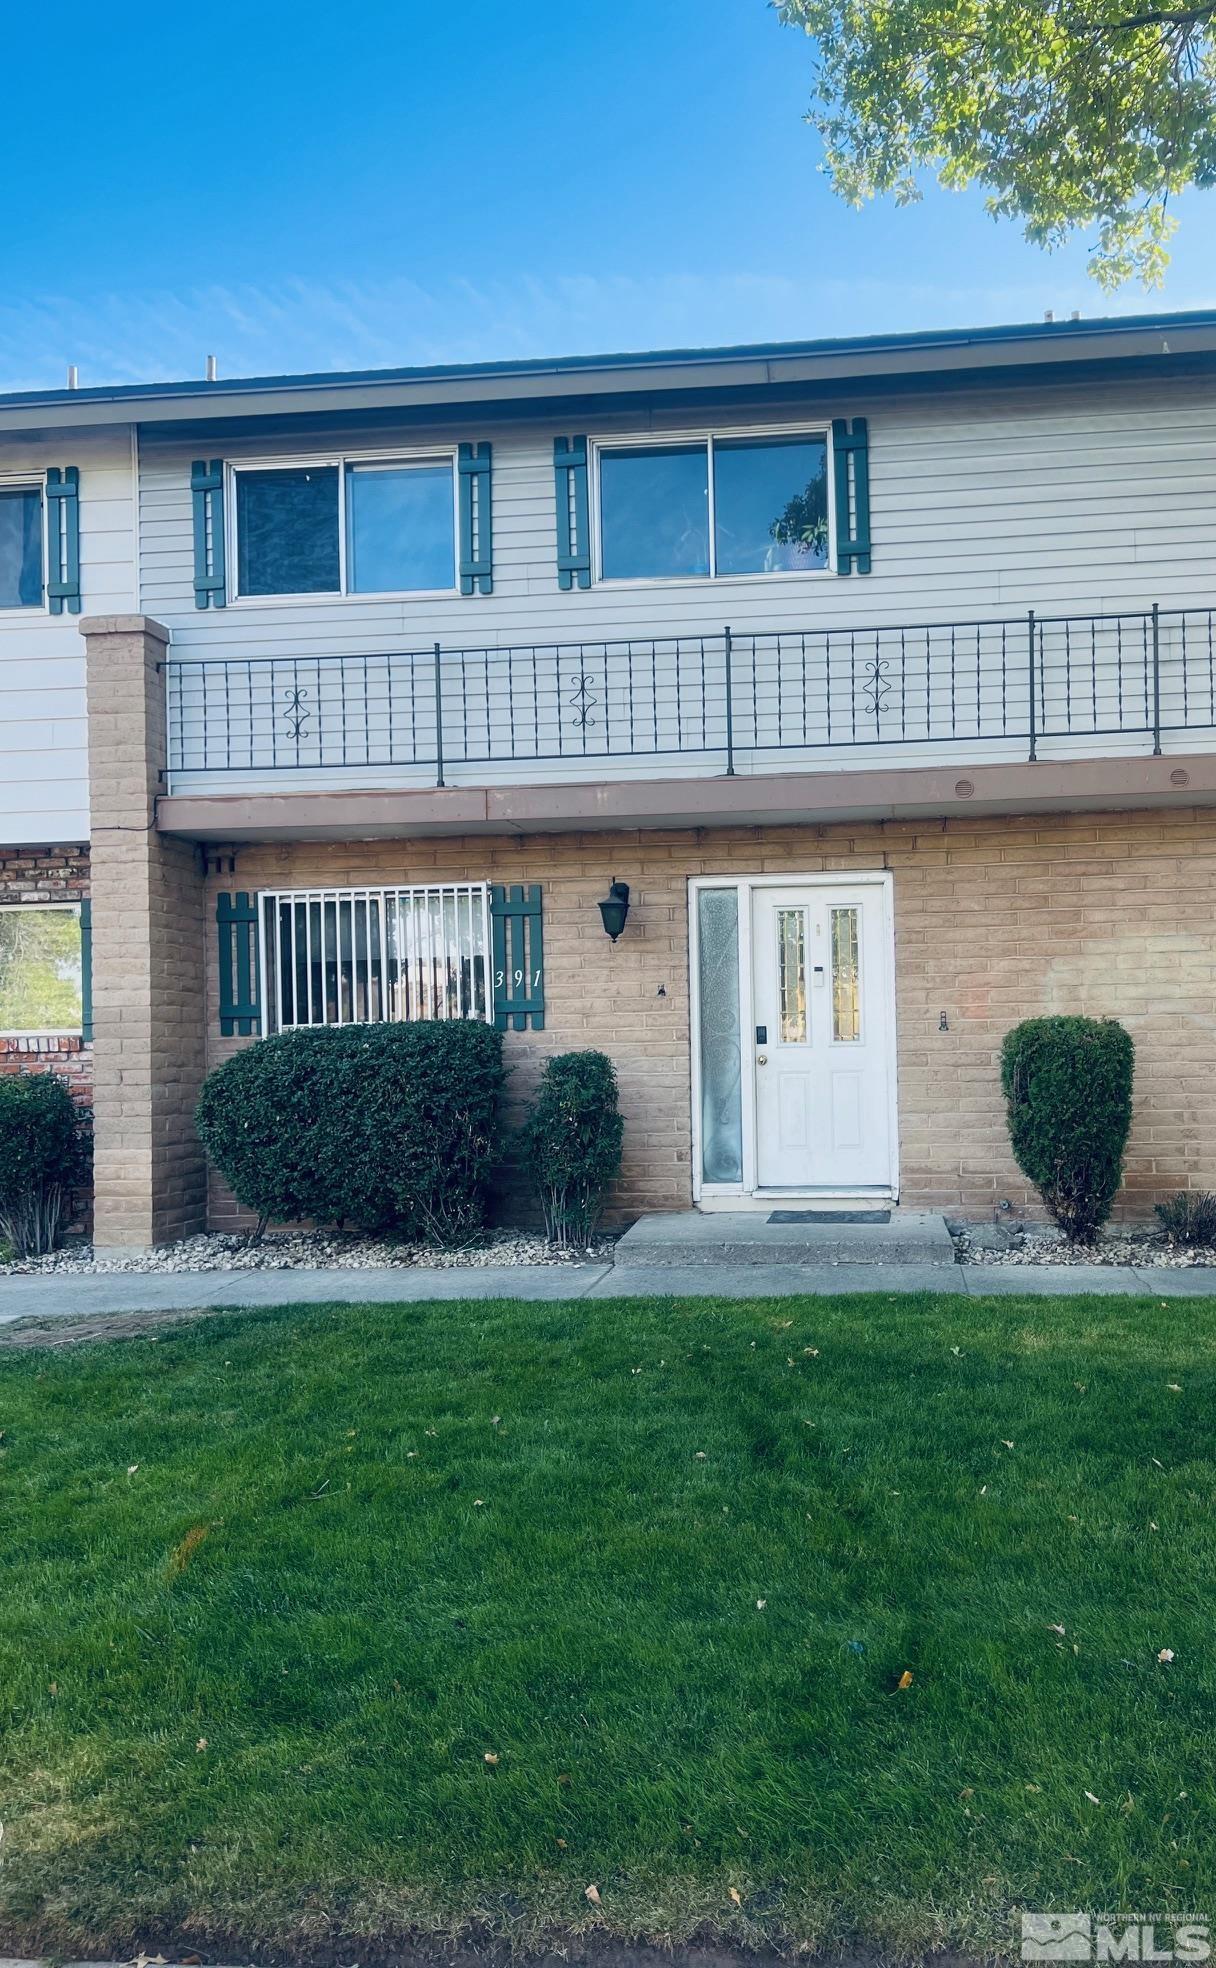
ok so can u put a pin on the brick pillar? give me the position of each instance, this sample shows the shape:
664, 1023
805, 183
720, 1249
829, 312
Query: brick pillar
148, 1011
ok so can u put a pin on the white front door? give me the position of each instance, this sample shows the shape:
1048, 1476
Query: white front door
822, 1047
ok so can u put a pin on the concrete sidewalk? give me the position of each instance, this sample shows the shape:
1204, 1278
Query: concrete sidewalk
73, 1295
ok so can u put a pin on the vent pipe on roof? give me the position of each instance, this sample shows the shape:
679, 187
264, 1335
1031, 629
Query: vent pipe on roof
1048, 315
73, 376
212, 369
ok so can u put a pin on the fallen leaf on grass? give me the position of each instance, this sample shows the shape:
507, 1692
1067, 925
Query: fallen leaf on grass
1092, 1798
561, 1844
1173, 1387
1166, 1655
131, 1468
200, 1745
905, 1679
1053, 1628
735, 1899
761, 1604
593, 1894
1005, 1444
182, 1553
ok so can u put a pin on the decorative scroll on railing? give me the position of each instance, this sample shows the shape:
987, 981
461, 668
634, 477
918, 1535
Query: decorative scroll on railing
720, 697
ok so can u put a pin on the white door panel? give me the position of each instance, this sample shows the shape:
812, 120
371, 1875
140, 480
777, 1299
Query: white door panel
823, 1034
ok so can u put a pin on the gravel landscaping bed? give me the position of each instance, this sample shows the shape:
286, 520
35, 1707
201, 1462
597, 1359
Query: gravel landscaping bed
289, 1250
981, 1244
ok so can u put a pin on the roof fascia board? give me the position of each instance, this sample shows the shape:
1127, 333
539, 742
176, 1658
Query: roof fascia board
1022, 356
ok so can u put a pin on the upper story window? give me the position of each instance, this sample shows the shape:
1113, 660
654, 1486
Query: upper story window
714, 507
21, 551
345, 526
40, 969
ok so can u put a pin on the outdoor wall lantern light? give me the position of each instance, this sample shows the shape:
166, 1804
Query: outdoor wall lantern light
614, 908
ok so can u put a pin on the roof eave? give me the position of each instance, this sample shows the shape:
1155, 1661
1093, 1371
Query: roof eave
1031, 348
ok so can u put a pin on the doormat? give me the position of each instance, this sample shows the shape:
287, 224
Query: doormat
830, 1216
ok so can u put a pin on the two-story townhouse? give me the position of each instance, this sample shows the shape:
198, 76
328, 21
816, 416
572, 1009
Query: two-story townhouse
67, 544
877, 678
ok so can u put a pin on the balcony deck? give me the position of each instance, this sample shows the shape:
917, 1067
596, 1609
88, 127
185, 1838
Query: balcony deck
682, 730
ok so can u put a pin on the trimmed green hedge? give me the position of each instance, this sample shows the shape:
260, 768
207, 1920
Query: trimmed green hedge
386, 1128
1068, 1091
572, 1141
44, 1157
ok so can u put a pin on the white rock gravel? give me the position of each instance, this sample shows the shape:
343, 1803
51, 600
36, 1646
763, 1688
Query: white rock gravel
289, 1250
1146, 1249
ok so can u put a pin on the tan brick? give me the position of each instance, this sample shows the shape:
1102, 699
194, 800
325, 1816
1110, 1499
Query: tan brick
996, 920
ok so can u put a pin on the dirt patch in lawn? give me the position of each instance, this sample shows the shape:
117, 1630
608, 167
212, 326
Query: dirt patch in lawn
24, 1334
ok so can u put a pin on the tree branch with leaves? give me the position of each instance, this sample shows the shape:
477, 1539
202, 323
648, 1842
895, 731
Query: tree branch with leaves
1076, 116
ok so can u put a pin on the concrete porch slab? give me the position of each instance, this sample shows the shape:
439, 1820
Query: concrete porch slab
687, 1237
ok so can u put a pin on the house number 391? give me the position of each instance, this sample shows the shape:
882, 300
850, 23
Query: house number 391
517, 978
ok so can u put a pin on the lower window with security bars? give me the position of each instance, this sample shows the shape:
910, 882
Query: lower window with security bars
361, 955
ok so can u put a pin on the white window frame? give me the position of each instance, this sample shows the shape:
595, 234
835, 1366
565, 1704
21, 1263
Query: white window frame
745, 1193
478, 894
30, 482
706, 434
41, 908
338, 460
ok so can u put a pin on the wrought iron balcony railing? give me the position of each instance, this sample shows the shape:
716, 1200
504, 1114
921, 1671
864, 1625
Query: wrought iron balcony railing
720, 698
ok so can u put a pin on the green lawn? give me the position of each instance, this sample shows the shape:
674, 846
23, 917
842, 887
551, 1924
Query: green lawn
276, 1588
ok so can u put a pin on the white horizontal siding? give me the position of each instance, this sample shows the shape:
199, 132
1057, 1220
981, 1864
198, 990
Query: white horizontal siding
1066, 498
44, 793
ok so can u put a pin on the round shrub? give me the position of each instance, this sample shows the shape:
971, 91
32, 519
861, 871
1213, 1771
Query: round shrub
1068, 1091
572, 1140
386, 1128
44, 1157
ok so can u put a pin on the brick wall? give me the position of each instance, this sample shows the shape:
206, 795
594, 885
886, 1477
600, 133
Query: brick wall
55, 873
47, 874
149, 1182
996, 920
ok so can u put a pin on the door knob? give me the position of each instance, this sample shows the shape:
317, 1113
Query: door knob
761, 1059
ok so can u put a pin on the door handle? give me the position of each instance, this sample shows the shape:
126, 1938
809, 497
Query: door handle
761, 1059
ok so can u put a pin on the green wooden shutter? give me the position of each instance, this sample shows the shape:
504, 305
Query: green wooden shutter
63, 538
237, 922
852, 448
86, 971
207, 493
476, 520
519, 957
573, 523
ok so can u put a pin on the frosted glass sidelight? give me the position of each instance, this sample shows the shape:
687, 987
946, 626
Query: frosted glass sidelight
721, 1097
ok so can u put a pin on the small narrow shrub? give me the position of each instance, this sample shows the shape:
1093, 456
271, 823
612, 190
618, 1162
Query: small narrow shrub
44, 1157
386, 1128
1189, 1218
572, 1140
1068, 1092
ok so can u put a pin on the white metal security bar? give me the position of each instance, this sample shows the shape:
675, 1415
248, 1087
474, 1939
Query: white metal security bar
347, 956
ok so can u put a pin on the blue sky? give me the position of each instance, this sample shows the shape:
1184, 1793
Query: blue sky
295, 188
